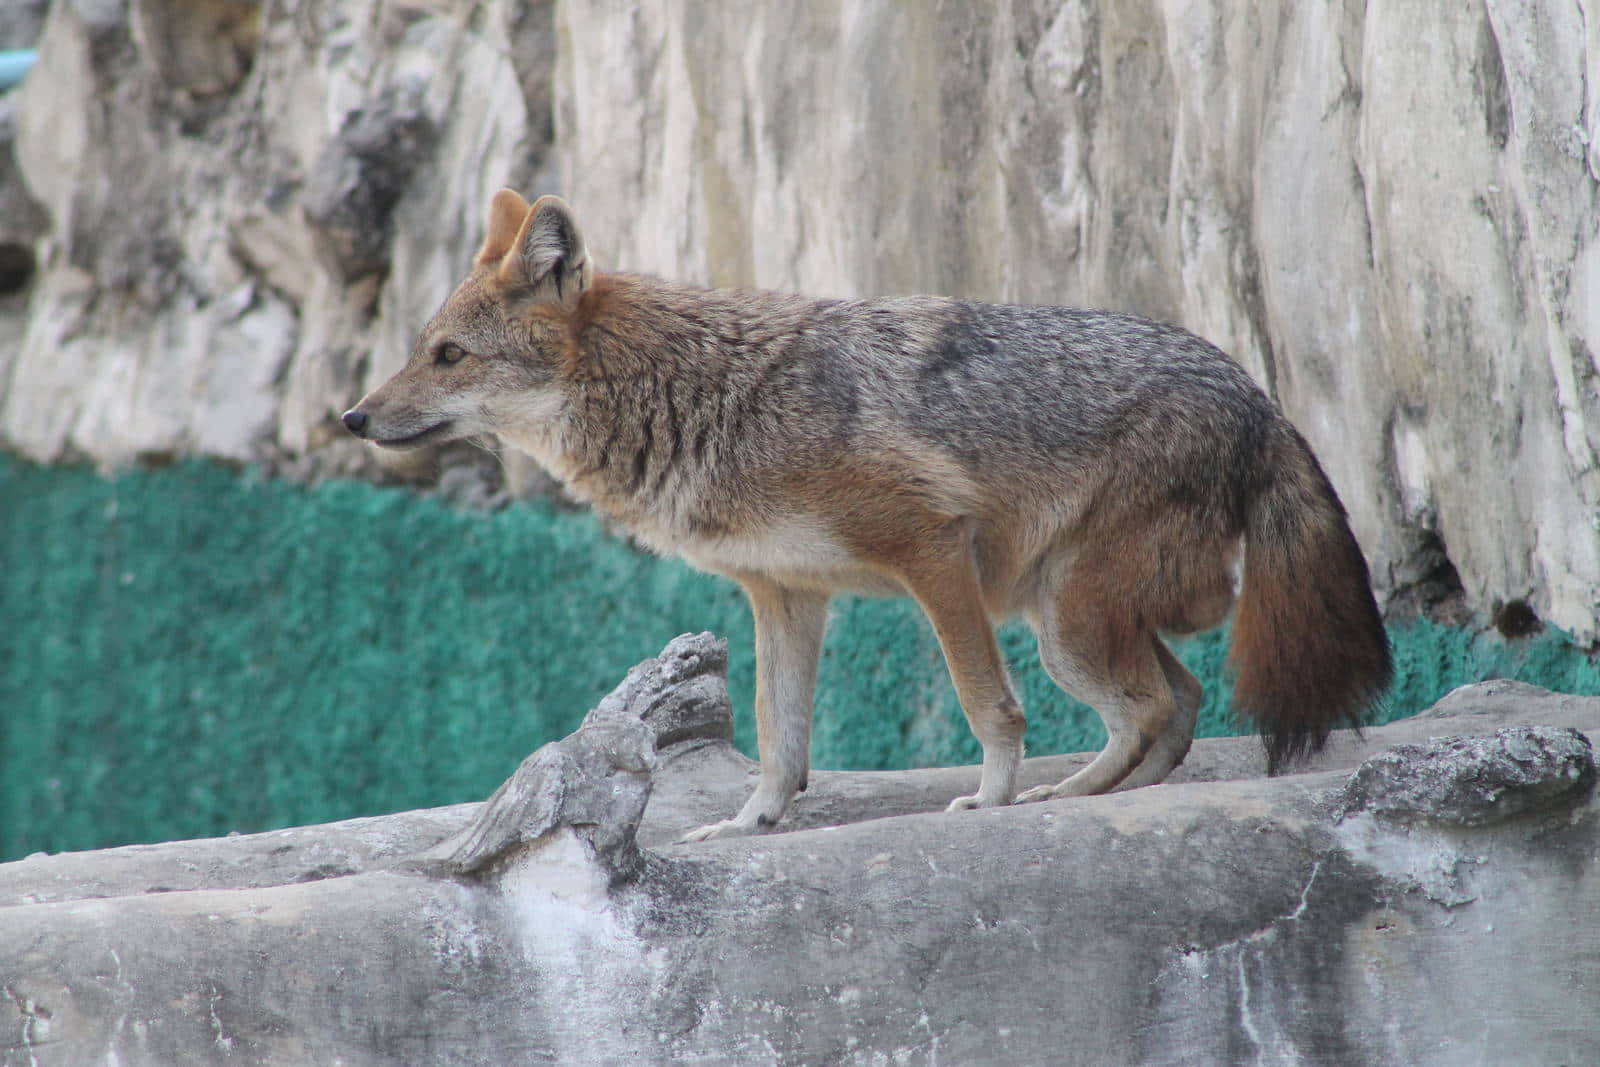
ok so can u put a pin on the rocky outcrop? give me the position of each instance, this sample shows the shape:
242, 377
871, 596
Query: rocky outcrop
258, 201
1388, 212
22, 222
1417, 910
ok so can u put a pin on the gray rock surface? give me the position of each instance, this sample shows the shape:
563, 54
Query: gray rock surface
20, 21
251, 209
1222, 919
350, 194
1473, 781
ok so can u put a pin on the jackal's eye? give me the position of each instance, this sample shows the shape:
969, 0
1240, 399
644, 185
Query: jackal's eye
449, 352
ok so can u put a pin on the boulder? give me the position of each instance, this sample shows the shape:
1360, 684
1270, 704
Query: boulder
1400, 900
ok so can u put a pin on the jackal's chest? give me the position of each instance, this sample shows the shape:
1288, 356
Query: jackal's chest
794, 552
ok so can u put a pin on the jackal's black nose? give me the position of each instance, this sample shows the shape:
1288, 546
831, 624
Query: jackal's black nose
355, 420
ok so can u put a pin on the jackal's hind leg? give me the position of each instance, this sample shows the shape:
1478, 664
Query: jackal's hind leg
789, 629
1124, 679
1173, 745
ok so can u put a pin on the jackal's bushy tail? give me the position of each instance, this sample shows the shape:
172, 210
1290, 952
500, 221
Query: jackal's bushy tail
1308, 645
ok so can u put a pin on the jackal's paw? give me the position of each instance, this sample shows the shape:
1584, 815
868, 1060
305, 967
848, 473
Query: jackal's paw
1037, 793
971, 803
725, 828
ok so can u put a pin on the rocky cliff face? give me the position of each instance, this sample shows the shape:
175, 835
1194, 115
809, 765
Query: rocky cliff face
251, 210
1387, 212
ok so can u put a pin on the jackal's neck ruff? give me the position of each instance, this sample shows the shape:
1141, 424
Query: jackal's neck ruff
631, 433
675, 412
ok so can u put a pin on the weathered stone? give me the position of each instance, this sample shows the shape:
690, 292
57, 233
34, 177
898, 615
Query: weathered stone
21, 220
1471, 781
20, 21
351, 192
198, 47
593, 784
597, 781
1214, 921
681, 695
193, 132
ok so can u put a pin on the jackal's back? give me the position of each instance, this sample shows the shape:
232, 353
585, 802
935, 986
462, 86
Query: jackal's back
1000, 390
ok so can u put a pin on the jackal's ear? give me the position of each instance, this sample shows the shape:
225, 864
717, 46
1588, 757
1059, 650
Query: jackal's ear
506, 212
548, 256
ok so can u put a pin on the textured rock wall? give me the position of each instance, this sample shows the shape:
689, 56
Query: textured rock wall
247, 202
1388, 212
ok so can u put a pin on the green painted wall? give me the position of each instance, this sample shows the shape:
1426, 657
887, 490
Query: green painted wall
189, 651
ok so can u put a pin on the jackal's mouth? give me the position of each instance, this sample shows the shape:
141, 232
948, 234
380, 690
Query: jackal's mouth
439, 431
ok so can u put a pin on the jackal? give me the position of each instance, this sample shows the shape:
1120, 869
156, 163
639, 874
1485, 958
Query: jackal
1095, 473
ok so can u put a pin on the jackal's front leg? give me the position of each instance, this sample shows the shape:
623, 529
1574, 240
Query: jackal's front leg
944, 579
789, 628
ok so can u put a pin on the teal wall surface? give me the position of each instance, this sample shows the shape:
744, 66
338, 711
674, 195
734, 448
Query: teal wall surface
192, 650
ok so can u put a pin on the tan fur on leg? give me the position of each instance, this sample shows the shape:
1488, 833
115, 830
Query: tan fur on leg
789, 630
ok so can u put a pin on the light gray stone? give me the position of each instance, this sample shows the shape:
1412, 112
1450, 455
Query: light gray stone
352, 189
20, 22
1228, 918
1472, 781
22, 222
332, 158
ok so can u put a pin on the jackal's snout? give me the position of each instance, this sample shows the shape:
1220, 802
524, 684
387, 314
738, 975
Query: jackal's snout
355, 420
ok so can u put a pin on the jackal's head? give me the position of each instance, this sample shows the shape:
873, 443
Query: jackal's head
486, 362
